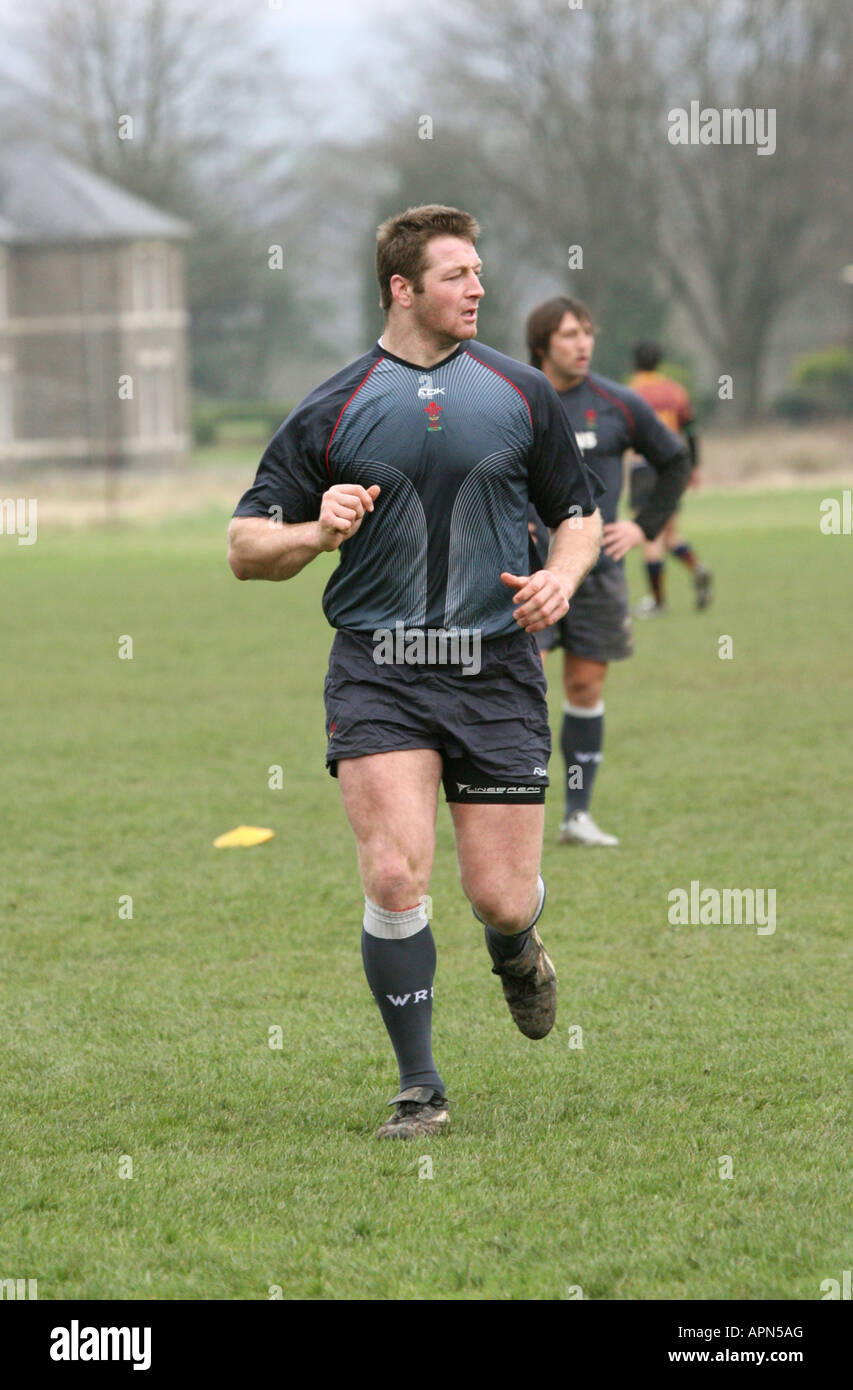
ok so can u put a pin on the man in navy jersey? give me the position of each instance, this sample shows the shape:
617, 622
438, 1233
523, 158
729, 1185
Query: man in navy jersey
418, 463
606, 419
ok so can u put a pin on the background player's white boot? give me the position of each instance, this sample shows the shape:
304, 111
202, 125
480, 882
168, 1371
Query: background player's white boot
648, 607
581, 829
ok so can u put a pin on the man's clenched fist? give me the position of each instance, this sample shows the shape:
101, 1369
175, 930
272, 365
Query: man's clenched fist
342, 511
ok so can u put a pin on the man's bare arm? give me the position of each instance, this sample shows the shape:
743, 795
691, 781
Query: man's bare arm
543, 598
574, 550
260, 548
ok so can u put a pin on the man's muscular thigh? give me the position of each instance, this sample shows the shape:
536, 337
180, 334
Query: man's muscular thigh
499, 849
391, 801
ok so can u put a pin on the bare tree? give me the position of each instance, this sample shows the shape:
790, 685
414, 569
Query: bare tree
159, 94
745, 233
182, 102
555, 105
567, 112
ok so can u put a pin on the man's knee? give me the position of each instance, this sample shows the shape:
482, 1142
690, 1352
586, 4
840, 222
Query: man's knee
392, 881
505, 911
584, 690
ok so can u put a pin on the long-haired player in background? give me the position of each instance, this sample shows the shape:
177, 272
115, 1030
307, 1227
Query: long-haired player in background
606, 419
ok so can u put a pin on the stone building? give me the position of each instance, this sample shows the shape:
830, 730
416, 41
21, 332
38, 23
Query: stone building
93, 319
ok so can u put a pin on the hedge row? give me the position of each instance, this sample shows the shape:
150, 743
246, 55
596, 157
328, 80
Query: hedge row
209, 416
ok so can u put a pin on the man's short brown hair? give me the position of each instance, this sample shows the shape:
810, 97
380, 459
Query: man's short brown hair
546, 318
401, 243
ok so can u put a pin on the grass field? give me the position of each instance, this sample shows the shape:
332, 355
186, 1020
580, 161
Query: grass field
254, 1167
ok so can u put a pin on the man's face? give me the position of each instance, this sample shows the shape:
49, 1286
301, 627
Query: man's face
447, 306
570, 348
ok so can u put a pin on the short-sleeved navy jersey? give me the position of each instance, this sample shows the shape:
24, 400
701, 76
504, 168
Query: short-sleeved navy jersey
459, 450
608, 418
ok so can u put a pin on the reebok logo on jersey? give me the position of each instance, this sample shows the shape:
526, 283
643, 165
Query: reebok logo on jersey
426, 388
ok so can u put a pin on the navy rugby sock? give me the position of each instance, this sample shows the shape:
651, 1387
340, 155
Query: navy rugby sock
398, 952
504, 945
654, 569
581, 739
686, 554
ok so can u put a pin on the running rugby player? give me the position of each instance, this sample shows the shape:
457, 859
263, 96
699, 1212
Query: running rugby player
418, 463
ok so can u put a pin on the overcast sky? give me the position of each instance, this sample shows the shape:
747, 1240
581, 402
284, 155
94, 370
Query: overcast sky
331, 43
337, 42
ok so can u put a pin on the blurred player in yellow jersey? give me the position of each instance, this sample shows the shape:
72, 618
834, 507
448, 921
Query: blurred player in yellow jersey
671, 403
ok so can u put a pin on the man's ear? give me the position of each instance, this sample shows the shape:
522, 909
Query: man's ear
403, 295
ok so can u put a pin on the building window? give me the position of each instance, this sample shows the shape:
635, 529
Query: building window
156, 392
150, 273
7, 367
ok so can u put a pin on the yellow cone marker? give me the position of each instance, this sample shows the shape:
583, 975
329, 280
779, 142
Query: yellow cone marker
243, 835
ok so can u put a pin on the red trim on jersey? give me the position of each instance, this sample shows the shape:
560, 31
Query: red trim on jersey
503, 378
625, 411
343, 408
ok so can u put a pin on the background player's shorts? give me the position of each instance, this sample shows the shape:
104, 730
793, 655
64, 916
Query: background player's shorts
491, 728
642, 483
598, 623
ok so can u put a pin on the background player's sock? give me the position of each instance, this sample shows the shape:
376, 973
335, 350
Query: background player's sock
503, 946
399, 961
686, 554
581, 739
654, 569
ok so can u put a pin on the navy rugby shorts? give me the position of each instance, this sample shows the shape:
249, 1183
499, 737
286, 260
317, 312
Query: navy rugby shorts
643, 482
598, 624
490, 727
